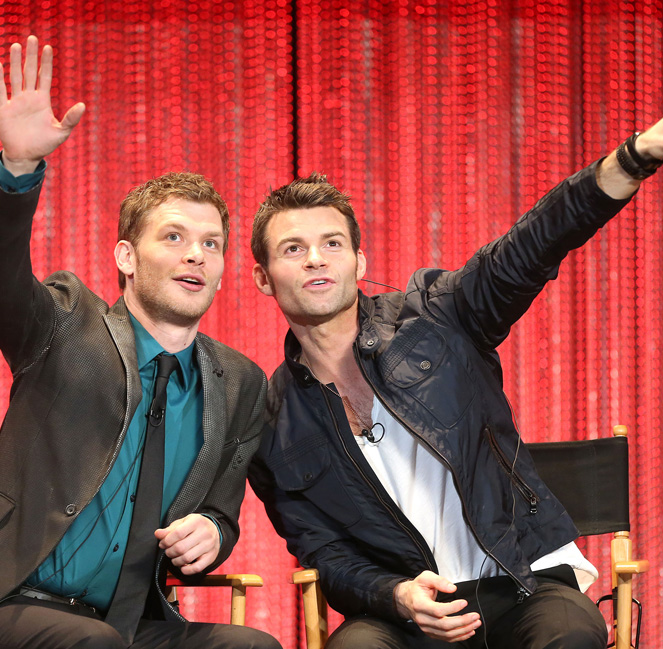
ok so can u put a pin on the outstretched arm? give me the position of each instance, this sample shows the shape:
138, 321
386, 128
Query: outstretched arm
28, 132
28, 129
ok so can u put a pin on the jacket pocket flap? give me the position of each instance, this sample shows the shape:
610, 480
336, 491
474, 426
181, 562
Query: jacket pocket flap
298, 468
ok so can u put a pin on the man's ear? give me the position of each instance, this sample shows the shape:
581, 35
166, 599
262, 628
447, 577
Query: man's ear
125, 257
261, 278
361, 264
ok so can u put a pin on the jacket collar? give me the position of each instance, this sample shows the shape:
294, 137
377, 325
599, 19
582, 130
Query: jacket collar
119, 326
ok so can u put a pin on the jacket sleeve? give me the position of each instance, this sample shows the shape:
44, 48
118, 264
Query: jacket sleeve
352, 582
26, 309
498, 284
225, 497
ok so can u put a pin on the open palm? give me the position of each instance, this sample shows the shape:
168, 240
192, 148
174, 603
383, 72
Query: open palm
28, 129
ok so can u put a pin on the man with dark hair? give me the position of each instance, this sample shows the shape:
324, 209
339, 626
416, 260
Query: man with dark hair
124, 449
391, 461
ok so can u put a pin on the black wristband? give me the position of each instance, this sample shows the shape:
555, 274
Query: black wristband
647, 163
633, 163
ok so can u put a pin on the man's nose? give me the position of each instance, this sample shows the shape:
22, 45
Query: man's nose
194, 254
315, 258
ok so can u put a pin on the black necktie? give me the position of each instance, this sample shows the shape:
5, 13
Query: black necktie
139, 559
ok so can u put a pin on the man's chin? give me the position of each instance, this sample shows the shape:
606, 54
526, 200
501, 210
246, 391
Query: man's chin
313, 317
177, 314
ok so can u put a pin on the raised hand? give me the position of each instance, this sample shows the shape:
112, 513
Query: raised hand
28, 129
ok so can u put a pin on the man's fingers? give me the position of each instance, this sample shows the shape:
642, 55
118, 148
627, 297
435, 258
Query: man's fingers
15, 72
181, 555
73, 116
437, 610
199, 565
31, 64
444, 616
3, 88
46, 69
433, 580
453, 628
172, 536
461, 622
178, 529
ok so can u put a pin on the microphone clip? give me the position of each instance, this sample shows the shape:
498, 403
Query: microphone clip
369, 434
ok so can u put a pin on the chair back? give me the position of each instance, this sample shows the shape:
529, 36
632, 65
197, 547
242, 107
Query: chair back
590, 478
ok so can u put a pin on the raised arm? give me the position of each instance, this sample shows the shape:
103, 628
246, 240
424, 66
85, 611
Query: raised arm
495, 288
28, 129
28, 133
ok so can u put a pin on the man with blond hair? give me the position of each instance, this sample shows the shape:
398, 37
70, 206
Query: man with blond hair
124, 449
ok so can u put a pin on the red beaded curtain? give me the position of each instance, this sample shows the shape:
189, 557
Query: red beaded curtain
444, 121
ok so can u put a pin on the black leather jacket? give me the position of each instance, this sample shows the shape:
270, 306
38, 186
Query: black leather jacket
429, 355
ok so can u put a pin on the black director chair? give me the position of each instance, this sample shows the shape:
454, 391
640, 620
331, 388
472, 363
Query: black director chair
590, 478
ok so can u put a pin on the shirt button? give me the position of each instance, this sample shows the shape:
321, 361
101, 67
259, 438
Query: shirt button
308, 477
132, 498
70, 509
116, 548
424, 365
370, 342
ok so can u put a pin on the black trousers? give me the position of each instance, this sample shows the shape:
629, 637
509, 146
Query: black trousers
556, 616
27, 623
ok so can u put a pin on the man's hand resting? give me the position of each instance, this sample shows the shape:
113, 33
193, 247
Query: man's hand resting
191, 543
415, 600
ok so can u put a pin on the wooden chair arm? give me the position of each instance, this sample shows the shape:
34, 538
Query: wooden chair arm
238, 582
631, 567
304, 576
219, 580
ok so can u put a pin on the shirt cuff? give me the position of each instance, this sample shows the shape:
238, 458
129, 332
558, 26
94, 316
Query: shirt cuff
218, 527
23, 183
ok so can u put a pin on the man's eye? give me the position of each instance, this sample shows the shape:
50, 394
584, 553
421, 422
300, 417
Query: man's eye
292, 248
173, 236
210, 243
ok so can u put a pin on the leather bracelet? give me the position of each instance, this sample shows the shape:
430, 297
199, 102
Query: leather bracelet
647, 163
633, 163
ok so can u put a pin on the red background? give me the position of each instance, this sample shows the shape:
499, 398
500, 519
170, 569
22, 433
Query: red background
444, 122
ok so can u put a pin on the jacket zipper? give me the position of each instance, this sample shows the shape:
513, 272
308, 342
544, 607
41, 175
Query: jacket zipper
387, 506
523, 591
516, 479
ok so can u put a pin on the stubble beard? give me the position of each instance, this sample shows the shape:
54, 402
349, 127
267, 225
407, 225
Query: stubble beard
162, 308
311, 313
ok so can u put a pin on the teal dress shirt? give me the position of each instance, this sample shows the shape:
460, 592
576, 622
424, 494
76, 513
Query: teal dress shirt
86, 563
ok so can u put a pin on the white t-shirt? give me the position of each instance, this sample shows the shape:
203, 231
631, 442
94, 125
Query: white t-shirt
422, 486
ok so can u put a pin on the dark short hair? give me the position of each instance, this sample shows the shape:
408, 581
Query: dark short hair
301, 194
145, 198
